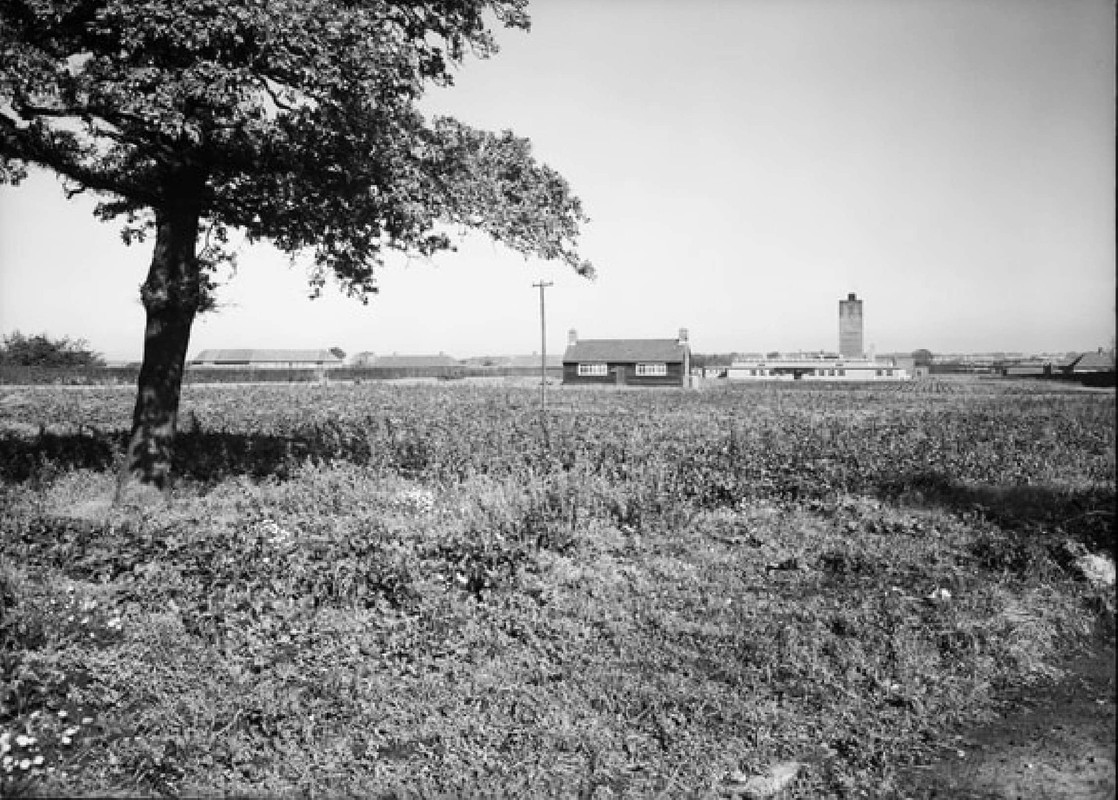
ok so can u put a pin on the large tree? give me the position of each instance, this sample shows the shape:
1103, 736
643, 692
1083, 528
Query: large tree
291, 121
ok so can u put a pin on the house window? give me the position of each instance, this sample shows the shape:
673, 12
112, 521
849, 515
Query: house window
587, 370
651, 370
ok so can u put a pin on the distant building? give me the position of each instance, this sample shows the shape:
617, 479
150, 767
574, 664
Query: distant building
627, 362
850, 327
515, 362
396, 361
817, 368
266, 359
1091, 363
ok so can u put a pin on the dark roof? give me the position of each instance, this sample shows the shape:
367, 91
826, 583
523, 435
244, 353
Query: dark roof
1093, 362
266, 356
625, 350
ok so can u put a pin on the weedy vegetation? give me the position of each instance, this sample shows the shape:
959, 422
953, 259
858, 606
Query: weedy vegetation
406, 590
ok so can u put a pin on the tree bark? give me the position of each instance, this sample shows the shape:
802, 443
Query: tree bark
171, 296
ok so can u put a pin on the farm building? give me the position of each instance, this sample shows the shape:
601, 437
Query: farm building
267, 359
627, 362
396, 361
815, 368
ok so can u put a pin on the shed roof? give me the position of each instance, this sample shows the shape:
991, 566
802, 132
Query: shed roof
625, 350
266, 357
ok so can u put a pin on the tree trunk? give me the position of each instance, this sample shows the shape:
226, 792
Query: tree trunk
171, 296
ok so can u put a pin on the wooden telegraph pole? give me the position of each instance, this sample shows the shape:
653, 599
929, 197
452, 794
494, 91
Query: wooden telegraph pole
543, 354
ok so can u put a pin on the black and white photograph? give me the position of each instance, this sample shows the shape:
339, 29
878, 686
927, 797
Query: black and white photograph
558, 398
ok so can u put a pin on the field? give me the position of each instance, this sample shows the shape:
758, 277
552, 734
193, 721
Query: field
397, 590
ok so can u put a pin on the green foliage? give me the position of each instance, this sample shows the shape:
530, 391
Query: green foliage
294, 122
41, 350
362, 590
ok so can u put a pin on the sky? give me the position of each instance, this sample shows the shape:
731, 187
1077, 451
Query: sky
745, 164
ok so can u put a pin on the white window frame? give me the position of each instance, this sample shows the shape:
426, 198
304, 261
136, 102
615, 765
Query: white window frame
593, 370
652, 370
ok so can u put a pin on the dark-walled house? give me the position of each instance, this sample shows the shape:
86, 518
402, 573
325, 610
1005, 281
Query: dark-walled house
627, 362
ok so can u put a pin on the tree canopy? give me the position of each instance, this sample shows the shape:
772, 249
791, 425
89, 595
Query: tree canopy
292, 121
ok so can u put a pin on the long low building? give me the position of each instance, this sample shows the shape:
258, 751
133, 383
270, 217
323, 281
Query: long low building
814, 369
266, 359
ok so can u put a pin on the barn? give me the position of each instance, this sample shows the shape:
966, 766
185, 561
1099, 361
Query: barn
267, 359
627, 362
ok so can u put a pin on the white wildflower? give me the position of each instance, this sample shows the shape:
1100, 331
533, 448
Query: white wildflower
1097, 569
25, 741
420, 501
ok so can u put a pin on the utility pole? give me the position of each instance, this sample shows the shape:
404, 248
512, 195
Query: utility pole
543, 352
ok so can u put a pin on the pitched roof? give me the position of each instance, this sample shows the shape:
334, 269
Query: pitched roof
1093, 362
625, 350
266, 356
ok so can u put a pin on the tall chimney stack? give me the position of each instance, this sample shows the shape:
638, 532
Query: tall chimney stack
683, 336
572, 337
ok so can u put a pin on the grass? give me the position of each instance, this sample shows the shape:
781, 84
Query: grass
396, 591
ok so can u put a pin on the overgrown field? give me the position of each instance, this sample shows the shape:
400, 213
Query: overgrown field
384, 590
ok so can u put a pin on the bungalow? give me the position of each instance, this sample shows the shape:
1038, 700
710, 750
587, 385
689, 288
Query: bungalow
627, 362
1092, 363
267, 359
1091, 369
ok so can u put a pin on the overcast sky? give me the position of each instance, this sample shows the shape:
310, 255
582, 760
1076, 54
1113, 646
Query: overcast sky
745, 163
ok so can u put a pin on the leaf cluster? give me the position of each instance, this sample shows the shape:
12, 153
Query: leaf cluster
292, 121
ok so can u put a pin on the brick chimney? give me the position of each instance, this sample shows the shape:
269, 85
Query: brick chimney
683, 336
572, 337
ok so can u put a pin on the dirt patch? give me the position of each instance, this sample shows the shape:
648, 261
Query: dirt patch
1053, 741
